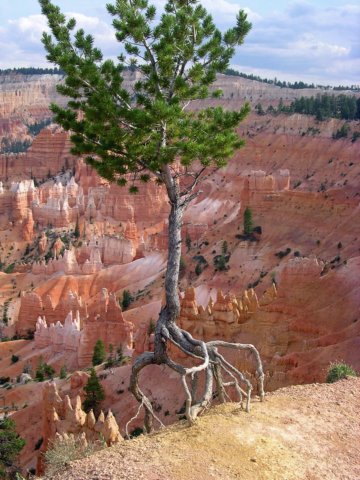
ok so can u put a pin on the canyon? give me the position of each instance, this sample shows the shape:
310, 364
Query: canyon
71, 243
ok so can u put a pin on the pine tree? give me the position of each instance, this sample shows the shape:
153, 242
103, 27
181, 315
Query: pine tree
99, 353
248, 222
44, 371
94, 394
127, 298
77, 229
10, 444
151, 134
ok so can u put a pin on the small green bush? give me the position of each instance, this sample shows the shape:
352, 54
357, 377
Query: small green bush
339, 370
14, 358
44, 372
99, 353
152, 326
94, 394
10, 268
198, 269
136, 432
248, 222
283, 253
10, 445
127, 299
341, 132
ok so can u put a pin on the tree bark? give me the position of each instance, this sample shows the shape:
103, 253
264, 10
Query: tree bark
171, 310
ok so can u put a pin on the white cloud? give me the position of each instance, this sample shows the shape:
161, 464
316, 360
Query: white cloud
308, 44
305, 41
224, 11
300, 42
28, 28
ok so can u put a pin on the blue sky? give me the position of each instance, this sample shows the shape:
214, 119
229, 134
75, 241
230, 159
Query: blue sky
291, 40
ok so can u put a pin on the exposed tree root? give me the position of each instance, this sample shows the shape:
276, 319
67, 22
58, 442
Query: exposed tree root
212, 363
207, 358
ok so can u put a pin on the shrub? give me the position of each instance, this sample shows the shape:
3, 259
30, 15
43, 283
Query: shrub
339, 370
64, 451
14, 358
94, 394
224, 247
44, 371
127, 299
49, 371
5, 311
99, 353
77, 229
220, 262
152, 326
63, 372
283, 253
136, 432
341, 132
200, 259
355, 136
10, 444
110, 361
248, 223
120, 353
198, 269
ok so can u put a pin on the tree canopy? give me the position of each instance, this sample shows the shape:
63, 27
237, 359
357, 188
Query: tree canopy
176, 58
99, 353
10, 444
94, 394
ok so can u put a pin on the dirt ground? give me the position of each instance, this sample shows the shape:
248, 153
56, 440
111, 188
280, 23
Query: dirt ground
306, 432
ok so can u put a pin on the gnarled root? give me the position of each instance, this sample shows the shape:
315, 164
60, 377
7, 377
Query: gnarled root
209, 360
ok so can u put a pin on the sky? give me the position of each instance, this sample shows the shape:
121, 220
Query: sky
316, 42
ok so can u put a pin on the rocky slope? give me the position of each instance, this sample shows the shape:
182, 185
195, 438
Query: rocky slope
292, 290
305, 433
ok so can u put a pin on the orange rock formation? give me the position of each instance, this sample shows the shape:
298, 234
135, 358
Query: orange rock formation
61, 418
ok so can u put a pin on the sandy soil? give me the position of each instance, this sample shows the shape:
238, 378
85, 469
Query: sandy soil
307, 432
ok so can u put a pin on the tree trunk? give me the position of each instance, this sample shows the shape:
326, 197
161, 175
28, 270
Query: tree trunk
171, 310
168, 332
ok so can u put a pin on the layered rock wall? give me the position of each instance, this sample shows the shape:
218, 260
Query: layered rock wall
222, 318
105, 322
33, 306
69, 265
62, 338
81, 329
48, 154
22, 95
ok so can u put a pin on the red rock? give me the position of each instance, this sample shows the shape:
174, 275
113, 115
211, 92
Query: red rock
28, 228
62, 418
107, 323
